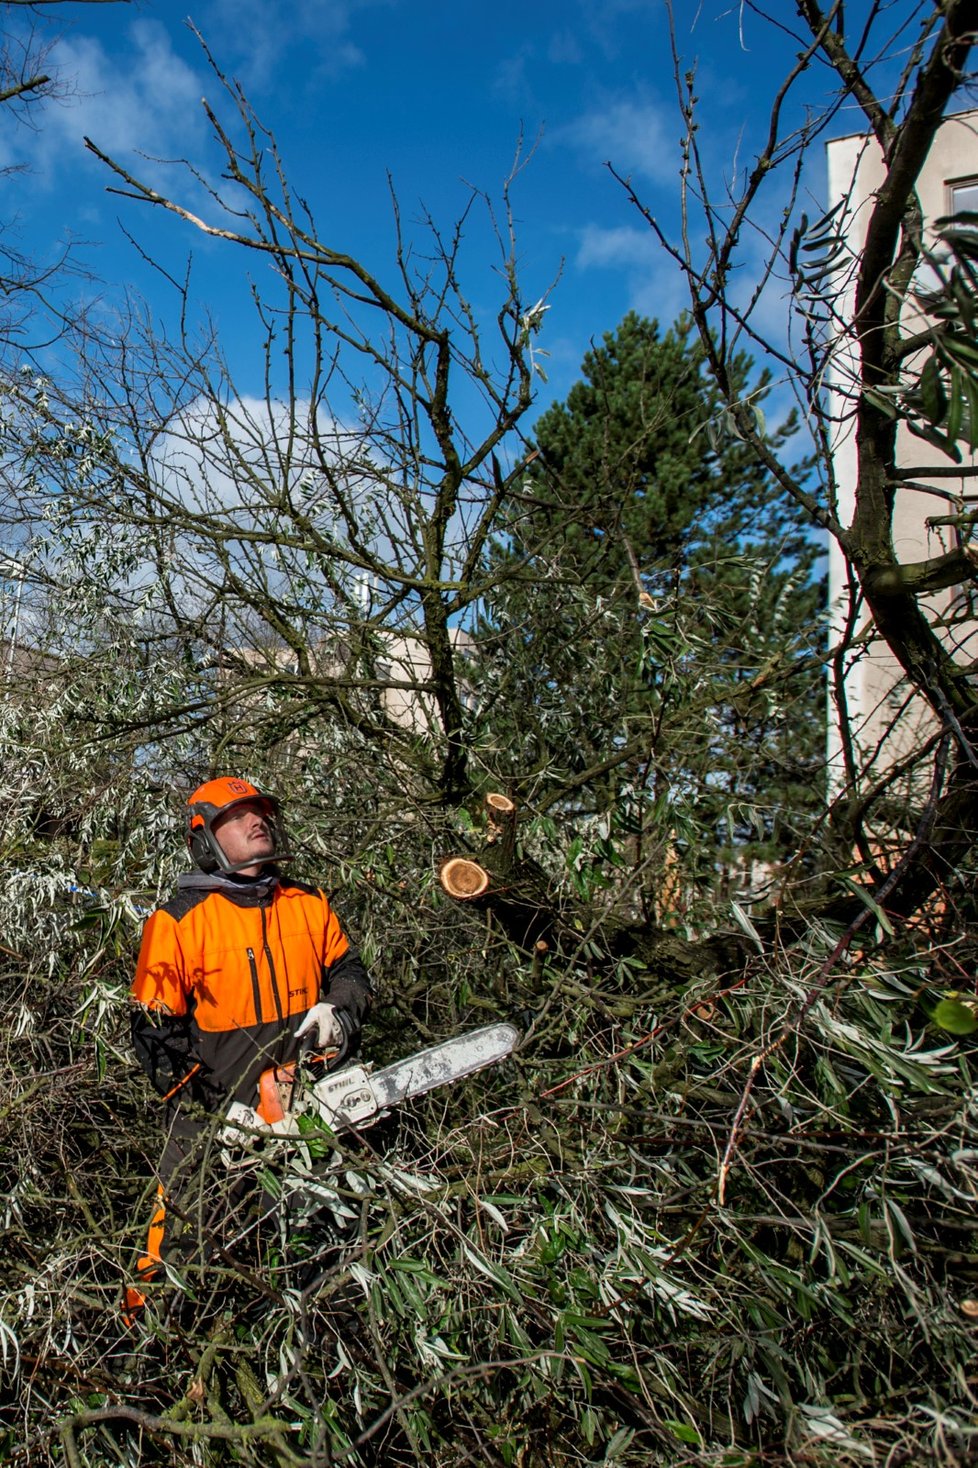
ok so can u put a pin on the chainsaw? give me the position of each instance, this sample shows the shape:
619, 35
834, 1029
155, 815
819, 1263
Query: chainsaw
356, 1096
343, 1100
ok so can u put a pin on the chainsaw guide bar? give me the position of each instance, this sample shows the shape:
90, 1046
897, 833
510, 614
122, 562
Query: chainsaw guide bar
357, 1095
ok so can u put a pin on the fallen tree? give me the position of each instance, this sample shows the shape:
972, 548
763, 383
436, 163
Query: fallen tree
719, 1207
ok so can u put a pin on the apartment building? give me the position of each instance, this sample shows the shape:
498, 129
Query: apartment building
885, 718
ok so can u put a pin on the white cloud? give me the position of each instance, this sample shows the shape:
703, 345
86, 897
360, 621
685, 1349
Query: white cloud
623, 245
511, 78
143, 98
230, 467
237, 459
654, 283
600, 21
257, 36
660, 292
564, 49
635, 137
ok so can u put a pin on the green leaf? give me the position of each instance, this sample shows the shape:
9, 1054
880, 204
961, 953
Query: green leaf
881, 401
933, 398
618, 1443
744, 922
902, 1223
960, 348
867, 898
956, 402
971, 391
683, 1431
416, 1267
937, 439
955, 1017
494, 1272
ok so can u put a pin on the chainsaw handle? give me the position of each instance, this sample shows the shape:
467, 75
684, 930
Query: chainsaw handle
333, 1055
312, 1055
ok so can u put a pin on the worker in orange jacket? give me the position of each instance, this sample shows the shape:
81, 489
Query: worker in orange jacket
234, 973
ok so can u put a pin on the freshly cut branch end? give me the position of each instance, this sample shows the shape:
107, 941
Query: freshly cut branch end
501, 816
463, 879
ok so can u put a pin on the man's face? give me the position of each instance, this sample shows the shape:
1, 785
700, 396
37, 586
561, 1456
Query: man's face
244, 833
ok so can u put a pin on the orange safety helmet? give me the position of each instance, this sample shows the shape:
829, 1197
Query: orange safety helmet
213, 799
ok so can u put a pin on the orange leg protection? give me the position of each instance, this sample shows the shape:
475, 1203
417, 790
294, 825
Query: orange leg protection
148, 1263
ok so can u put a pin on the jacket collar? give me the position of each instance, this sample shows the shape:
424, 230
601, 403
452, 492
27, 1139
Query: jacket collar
241, 889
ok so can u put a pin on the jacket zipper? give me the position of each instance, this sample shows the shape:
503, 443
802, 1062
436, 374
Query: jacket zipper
271, 967
255, 986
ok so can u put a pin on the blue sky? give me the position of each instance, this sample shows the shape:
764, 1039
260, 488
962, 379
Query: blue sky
437, 95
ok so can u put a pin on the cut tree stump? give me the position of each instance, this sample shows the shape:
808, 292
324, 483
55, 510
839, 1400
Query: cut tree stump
501, 823
463, 879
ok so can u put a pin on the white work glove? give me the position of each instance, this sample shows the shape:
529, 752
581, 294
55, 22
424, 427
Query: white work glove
241, 1124
329, 1031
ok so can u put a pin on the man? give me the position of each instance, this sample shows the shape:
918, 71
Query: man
233, 974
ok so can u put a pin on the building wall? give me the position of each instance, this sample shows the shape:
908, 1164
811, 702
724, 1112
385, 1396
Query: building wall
406, 660
403, 659
886, 721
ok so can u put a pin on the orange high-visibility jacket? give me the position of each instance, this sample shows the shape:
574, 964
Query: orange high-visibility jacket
226, 973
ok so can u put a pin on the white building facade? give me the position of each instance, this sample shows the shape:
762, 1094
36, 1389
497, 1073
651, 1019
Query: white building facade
886, 721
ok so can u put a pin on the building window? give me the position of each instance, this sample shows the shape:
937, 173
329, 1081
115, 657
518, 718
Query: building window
962, 196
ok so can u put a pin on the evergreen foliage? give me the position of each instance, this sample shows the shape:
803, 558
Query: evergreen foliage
657, 592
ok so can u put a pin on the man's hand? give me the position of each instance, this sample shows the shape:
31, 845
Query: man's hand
324, 1020
241, 1125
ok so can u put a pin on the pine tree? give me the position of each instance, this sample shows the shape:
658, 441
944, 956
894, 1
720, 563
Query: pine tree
656, 595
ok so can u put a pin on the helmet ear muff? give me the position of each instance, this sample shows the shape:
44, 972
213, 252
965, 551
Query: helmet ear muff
200, 851
200, 839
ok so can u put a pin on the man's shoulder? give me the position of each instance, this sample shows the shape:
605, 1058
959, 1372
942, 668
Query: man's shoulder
183, 901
